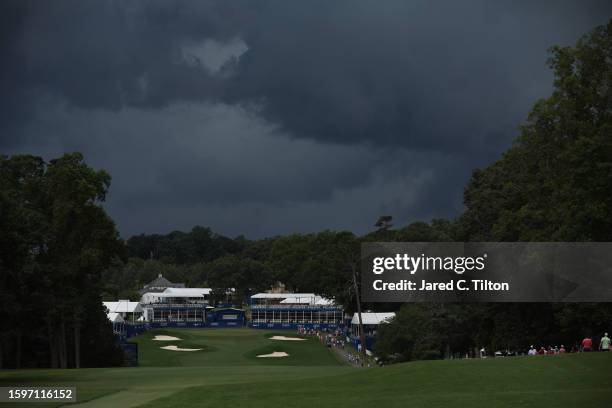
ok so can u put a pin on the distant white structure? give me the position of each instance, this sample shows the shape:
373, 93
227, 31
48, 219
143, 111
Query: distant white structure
150, 297
127, 310
177, 295
160, 284
285, 299
370, 321
114, 317
187, 293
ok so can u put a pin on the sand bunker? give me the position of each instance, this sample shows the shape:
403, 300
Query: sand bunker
285, 338
165, 338
175, 348
274, 354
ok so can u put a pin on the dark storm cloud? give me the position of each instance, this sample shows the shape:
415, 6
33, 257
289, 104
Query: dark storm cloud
220, 166
434, 75
277, 116
431, 75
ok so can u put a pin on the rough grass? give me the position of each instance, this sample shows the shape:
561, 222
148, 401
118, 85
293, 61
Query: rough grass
543, 381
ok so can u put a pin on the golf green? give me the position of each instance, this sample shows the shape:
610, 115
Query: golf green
227, 373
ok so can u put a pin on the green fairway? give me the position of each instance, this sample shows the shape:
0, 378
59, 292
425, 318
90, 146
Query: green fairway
229, 347
227, 373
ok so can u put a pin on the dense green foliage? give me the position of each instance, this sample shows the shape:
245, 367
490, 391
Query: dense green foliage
198, 245
555, 182
228, 376
56, 240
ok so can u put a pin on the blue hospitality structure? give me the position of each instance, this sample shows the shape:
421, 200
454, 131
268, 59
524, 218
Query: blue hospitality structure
226, 317
177, 307
294, 310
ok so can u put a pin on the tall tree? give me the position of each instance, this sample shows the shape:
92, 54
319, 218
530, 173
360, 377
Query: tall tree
63, 240
555, 182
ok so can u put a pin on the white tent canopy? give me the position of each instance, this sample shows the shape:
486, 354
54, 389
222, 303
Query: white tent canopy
123, 306
294, 299
283, 295
300, 300
185, 292
370, 318
114, 317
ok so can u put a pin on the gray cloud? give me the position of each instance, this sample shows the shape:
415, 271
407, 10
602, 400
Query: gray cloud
271, 117
222, 166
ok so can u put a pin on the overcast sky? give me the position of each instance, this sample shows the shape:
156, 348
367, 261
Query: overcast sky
272, 117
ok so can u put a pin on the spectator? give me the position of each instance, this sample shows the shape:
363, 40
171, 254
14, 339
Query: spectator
604, 344
587, 344
532, 351
562, 349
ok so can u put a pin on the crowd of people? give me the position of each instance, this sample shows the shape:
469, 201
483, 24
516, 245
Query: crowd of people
330, 338
585, 346
336, 339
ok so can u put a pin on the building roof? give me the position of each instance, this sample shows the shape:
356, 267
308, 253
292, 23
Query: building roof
160, 283
123, 306
186, 292
283, 295
114, 317
301, 300
373, 318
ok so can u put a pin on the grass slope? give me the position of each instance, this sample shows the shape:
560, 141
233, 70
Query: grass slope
553, 381
227, 374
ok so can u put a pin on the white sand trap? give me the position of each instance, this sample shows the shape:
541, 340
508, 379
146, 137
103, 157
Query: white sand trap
175, 348
165, 338
274, 354
285, 338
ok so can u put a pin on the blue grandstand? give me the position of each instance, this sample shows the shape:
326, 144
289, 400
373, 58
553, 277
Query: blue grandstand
294, 310
226, 317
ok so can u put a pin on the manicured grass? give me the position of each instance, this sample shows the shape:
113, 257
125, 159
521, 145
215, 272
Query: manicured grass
227, 374
228, 358
552, 381
229, 347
